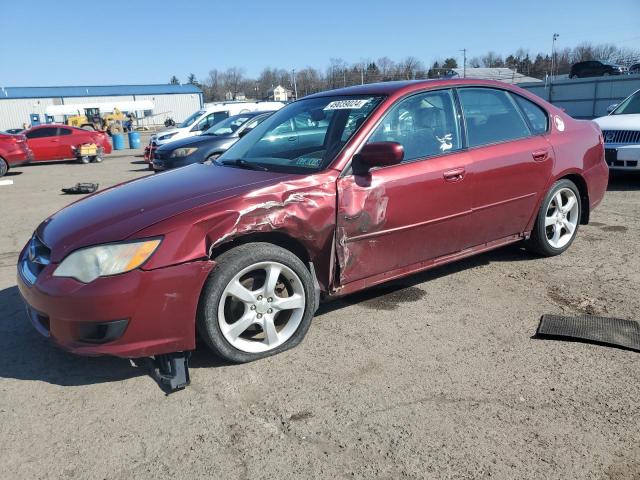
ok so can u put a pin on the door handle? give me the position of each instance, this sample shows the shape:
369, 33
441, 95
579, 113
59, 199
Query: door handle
292, 139
454, 175
540, 155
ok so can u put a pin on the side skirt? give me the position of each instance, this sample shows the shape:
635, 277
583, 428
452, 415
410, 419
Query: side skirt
425, 265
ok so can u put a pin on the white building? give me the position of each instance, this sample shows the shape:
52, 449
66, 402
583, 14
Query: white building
18, 105
280, 94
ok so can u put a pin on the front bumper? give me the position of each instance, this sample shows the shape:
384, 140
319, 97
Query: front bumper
622, 156
135, 314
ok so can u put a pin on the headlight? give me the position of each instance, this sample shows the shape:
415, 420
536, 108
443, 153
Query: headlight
183, 152
87, 264
167, 137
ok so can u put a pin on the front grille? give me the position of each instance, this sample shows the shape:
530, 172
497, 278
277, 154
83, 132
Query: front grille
621, 136
36, 258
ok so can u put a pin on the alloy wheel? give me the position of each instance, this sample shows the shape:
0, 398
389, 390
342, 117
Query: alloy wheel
261, 307
561, 219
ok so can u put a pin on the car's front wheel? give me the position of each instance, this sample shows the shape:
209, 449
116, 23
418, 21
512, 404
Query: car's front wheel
258, 301
558, 220
4, 167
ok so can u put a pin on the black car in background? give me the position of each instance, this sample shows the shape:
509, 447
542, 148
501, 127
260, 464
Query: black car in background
596, 68
207, 146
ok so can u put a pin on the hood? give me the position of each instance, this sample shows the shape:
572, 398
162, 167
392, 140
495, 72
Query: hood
619, 122
117, 213
194, 141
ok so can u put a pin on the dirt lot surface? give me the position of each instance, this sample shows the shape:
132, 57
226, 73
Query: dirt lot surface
435, 376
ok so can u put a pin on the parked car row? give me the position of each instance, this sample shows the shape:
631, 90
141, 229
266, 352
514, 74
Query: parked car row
45, 143
597, 68
203, 120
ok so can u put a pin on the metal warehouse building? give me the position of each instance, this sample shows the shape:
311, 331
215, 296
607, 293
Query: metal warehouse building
19, 104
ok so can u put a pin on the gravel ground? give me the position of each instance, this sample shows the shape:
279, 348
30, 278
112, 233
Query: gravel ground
434, 376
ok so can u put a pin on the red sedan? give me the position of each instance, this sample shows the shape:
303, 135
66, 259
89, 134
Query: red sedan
57, 142
334, 193
14, 151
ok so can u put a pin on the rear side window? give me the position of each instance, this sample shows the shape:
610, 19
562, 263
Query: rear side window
64, 131
42, 132
491, 116
537, 116
424, 124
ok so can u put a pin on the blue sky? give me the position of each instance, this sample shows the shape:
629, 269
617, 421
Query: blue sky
49, 42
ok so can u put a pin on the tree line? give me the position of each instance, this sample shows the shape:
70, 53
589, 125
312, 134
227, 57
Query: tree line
232, 82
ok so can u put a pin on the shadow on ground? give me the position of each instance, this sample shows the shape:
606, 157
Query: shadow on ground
25, 355
388, 296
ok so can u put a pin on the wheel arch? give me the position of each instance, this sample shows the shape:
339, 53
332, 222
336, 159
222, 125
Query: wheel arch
581, 183
279, 238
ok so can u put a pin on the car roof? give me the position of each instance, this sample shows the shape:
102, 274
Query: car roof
408, 86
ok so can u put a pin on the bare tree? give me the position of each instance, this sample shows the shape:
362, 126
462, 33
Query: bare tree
212, 87
387, 68
409, 67
492, 60
232, 80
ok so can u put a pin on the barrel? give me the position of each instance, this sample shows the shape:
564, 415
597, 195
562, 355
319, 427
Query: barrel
118, 141
134, 140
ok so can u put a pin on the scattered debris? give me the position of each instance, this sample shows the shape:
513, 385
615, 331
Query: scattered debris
602, 330
81, 188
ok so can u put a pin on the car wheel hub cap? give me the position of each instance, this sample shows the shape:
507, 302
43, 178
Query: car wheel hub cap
261, 307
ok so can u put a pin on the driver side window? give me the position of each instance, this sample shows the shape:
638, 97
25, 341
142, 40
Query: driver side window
424, 124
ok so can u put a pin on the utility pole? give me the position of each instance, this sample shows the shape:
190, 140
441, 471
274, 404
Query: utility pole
295, 85
553, 53
362, 74
464, 62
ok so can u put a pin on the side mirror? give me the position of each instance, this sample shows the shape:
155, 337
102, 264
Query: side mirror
377, 154
611, 108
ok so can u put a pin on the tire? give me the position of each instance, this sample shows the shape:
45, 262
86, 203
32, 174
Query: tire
99, 157
257, 336
559, 224
4, 167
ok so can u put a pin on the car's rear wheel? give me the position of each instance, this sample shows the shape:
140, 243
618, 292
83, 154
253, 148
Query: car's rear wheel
4, 167
258, 301
558, 220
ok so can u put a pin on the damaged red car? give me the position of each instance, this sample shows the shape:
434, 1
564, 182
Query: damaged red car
332, 194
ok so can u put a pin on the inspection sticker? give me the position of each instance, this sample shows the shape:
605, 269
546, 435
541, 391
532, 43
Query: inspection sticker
346, 104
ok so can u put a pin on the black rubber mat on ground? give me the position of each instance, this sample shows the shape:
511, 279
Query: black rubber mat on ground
602, 330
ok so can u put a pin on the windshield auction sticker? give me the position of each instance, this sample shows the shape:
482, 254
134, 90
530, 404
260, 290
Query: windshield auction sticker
347, 104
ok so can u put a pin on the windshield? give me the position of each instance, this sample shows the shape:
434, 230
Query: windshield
303, 136
228, 125
189, 121
629, 106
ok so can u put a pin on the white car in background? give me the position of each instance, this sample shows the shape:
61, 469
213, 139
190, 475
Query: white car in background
621, 131
207, 117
